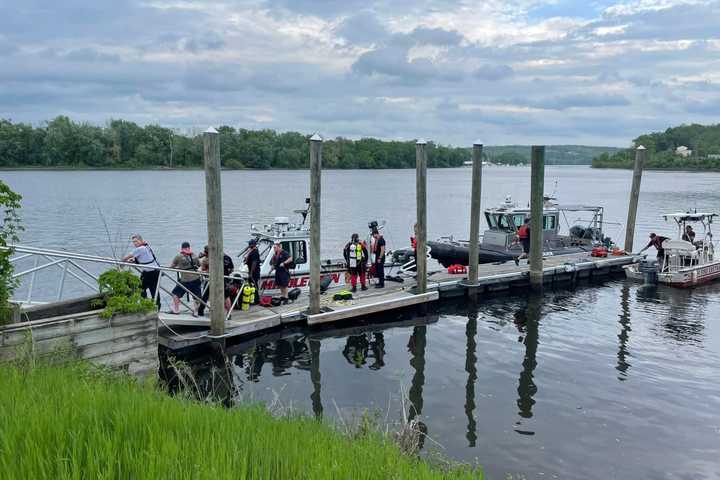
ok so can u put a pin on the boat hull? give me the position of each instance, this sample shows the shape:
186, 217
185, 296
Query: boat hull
684, 278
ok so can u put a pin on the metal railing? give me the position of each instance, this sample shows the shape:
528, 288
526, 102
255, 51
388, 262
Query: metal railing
77, 266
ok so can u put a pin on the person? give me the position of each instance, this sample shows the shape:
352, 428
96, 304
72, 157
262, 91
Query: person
523, 236
186, 260
689, 235
281, 259
356, 256
142, 254
252, 260
657, 241
379, 263
228, 268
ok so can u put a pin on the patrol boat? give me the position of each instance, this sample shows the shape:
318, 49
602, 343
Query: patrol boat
684, 264
498, 243
294, 239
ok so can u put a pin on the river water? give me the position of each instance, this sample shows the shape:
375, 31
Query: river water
614, 380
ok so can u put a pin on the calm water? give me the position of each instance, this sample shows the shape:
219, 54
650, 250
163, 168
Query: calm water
618, 381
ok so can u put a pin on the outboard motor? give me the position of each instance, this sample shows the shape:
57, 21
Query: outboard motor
649, 268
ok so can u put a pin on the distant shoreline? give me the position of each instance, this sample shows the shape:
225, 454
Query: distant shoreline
656, 169
180, 169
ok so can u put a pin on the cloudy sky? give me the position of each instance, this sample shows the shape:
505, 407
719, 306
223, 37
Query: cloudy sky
505, 71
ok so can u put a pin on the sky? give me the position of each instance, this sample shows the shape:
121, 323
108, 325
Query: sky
598, 72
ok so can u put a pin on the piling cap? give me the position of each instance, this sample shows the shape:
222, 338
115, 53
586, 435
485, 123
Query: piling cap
316, 138
421, 141
640, 147
478, 142
211, 130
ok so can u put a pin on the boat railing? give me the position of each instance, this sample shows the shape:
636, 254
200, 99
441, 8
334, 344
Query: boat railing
83, 267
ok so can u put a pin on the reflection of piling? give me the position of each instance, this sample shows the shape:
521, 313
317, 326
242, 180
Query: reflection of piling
624, 335
475, 215
421, 200
526, 384
315, 176
315, 377
211, 147
416, 346
640, 155
537, 181
471, 369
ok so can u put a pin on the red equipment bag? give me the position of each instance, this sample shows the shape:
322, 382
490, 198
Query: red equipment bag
455, 269
265, 301
599, 252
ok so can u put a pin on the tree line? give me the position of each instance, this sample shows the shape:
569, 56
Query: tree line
62, 142
703, 140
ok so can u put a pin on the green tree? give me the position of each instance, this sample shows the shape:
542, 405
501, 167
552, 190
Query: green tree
9, 231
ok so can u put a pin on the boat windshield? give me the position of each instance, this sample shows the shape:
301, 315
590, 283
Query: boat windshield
504, 222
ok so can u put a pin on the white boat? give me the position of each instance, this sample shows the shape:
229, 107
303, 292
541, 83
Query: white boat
684, 264
294, 239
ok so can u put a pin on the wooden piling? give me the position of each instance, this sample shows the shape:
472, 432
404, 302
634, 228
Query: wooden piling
211, 144
421, 201
475, 214
315, 191
640, 155
537, 182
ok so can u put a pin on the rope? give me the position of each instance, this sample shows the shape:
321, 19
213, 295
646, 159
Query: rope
180, 335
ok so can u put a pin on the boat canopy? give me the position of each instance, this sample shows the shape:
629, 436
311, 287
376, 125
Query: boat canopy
690, 217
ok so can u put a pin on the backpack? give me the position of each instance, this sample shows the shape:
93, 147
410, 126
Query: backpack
228, 265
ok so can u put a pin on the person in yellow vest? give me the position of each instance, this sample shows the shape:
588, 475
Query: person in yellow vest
356, 257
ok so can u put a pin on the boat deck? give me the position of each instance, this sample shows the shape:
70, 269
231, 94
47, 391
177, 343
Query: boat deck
180, 331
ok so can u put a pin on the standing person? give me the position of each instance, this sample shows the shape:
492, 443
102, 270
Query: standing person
281, 259
252, 260
689, 235
657, 241
186, 260
356, 256
523, 236
379, 262
228, 268
142, 254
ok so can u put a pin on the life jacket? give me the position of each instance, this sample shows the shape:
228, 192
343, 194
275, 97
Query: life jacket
355, 255
523, 231
247, 296
413, 243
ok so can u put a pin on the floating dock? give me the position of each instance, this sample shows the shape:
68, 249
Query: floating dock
182, 331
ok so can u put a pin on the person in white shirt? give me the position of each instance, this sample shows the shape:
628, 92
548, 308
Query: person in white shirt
142, 254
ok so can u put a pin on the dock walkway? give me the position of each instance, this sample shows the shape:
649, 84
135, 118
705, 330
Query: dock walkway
184, 330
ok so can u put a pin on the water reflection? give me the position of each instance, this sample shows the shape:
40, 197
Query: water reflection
315, 377
624, 335
680, 312
359, 348
527, 321
471, 369
416, 347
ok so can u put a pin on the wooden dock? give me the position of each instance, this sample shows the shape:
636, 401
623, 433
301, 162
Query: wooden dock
182, 331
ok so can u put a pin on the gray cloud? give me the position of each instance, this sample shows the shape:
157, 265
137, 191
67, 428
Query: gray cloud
343, 68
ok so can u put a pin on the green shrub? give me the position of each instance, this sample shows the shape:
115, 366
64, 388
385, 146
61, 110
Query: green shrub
121, 291
9, 230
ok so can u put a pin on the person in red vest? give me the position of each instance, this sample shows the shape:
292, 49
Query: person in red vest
523, 235
657, 241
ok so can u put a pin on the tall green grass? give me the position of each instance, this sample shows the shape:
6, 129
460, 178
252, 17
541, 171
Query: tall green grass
70, 422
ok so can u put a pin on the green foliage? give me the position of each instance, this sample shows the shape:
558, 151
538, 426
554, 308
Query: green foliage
68, 422
554, 154
121, 144
704, 141
9, 231
121, 290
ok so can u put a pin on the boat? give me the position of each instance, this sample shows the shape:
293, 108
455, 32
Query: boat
294, 239
684, 264
499, 244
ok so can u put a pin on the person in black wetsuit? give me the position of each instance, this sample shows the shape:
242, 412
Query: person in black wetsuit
252, 260
379, 260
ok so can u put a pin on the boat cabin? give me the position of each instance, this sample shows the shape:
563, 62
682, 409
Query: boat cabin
504, 221
685, 250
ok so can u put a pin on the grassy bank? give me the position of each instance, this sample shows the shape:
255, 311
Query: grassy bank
72, 422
